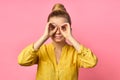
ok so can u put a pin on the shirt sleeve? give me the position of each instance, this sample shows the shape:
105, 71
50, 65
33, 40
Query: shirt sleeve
85, 58
28, 56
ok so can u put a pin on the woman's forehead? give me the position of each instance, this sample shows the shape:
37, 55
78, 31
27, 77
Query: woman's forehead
58, 20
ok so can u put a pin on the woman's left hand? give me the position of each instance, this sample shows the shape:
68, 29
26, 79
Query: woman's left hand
66, 30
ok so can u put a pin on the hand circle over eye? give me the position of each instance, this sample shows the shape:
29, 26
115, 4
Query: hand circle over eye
50, 29
64, 27
65, 30
52, 26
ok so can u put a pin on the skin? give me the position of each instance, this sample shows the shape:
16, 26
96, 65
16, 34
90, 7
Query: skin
58, 29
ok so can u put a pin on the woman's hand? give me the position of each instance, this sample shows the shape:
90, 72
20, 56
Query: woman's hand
50, 29
67, 33
66, 30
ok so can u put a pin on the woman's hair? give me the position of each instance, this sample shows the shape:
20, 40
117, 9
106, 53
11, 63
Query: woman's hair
59, 10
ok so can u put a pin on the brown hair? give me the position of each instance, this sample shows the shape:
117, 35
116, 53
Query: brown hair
59, 10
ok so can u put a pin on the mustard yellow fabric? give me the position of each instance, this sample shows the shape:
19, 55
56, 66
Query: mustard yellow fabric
48, 68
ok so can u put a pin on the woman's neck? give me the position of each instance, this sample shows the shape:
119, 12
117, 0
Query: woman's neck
59, 45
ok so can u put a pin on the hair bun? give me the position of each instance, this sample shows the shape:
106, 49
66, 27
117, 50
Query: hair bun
59, 6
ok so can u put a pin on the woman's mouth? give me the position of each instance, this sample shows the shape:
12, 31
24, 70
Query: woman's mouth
58, 36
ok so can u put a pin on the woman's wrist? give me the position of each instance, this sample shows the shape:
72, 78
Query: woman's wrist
74, 42
45, 36
38, 43
70, 37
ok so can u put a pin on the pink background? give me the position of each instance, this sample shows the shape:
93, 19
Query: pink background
95, 23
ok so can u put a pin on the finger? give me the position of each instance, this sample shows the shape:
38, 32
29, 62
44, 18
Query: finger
53, 31
61, 28
64, 27
66, 24
47, 26
69, 28
52, 26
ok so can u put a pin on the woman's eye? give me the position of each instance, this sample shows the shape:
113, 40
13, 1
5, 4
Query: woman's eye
64, 27
51, 26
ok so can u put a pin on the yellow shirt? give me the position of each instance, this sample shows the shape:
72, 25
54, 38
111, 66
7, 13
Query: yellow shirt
48, 69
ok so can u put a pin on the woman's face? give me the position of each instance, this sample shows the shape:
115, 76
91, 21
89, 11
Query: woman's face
58, 22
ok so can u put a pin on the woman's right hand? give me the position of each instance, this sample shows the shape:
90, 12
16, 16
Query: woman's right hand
50, 29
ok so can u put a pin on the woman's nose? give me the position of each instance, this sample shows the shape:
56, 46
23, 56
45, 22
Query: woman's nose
58, 30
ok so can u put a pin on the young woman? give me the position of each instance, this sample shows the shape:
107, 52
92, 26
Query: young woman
57, 60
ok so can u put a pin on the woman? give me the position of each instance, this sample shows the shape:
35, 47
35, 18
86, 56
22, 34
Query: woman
57, 60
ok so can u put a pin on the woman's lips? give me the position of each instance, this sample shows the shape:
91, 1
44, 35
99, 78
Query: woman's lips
58, 36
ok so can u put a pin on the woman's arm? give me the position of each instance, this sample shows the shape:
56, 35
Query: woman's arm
66, 32
49, 31
31, 53
28, 56
38, 43
85, 57
75, 43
